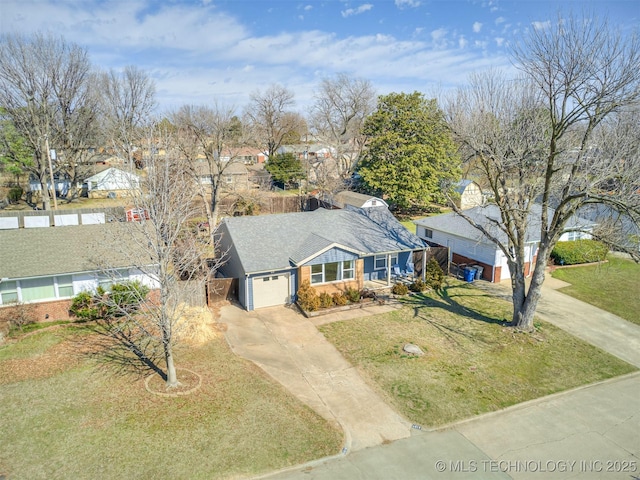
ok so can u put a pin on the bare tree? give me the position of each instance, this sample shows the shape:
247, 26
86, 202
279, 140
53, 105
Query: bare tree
210, 139
128, 100
271, 119
46, 93
166, 252
554, 142
341, 106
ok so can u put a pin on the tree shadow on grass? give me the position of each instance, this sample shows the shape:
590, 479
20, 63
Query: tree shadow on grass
123, 349
447, 302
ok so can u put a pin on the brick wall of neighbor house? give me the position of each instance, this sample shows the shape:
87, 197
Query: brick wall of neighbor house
304, 274
57, 310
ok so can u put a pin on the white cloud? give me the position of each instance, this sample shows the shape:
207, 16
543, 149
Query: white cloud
541, 25
365, 7
308, 7
500, 20
477, 26
499, 41
199, 53
407, 3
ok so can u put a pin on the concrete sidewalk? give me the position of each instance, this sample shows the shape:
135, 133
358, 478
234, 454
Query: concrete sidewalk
288, 347
587, 433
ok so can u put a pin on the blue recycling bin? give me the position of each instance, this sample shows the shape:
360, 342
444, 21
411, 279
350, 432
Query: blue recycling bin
469, 274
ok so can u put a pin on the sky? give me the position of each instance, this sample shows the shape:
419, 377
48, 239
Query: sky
205, 51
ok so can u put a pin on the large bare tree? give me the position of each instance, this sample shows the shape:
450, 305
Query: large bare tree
271, 117
46, 93
554, 142
210, 139
127, 102
341, 105
167, 251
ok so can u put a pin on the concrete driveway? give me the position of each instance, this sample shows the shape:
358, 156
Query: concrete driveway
287, 346
591, 432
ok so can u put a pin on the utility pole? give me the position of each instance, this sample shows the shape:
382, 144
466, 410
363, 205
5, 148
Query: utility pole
53, 185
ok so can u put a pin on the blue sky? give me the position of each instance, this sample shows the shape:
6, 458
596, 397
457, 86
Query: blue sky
199, 51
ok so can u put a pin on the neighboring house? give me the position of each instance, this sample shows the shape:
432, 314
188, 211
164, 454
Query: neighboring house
235, 176
357, 200
112, 183
246, 155
470, 194
48, 266
61, 181
272, 255
467, 245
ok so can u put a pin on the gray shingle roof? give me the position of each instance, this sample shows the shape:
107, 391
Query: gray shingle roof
355, 199
32, 252
454, 224
269, 242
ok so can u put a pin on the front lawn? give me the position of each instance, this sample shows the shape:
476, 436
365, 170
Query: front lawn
473, 363
613, 286
62, 417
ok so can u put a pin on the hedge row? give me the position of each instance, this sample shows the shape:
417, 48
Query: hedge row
579, 251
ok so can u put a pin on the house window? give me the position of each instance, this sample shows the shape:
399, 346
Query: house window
348, 270
428, 233
37, 289
65, 286
332, 272
228, 178
572, 236
317, 273
380, 261
8, 292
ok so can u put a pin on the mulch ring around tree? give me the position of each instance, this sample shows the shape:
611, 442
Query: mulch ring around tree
189, 380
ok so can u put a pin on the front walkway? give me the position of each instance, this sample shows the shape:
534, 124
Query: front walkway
287, 346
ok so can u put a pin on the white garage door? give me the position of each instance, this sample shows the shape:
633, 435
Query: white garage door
270, 290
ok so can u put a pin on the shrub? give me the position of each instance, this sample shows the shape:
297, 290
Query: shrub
418, 286
326, 300
352, 294
83, 306
15, 194
308, 298
340, 299
125, 298
399, 289
434, 276
579, 251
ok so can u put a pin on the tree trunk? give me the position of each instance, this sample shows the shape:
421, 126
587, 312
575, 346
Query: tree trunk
172, 378
523, 313
46, 198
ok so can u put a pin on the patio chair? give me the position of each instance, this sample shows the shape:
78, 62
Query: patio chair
410, 270
395, 272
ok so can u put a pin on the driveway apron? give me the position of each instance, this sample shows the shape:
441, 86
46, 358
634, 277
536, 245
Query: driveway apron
287, 346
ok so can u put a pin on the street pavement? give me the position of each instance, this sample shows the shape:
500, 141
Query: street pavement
591, 432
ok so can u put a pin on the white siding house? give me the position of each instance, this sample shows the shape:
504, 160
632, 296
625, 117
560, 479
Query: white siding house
467, 245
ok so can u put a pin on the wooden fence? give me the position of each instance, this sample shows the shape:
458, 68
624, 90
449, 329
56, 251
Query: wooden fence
441, 254
221, 289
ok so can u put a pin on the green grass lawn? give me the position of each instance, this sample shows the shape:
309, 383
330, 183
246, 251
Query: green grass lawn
473, 362
613, 286
61, 417
409, 225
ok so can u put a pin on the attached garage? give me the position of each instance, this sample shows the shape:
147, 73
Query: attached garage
271, 290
